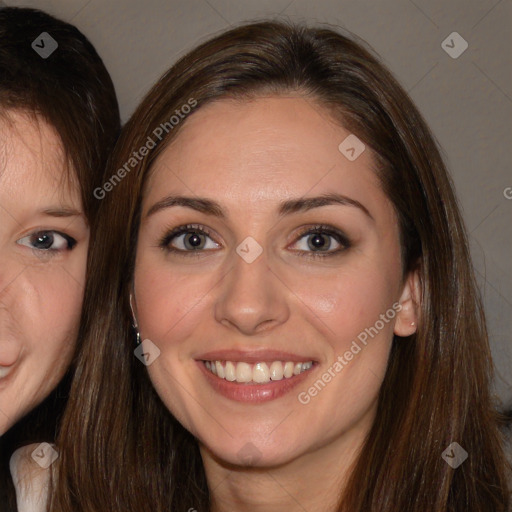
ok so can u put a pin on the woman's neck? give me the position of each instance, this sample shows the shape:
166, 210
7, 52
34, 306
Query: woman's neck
312, 482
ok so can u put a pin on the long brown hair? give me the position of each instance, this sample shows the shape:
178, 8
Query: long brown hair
120, 447
72, 91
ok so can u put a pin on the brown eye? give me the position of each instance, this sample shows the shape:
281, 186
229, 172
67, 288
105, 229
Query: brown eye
319, 241
323, 241
191, 241
48, 241
188, 239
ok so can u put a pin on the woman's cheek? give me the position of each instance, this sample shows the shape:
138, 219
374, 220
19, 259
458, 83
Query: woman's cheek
55, 308
46, 319
163, 301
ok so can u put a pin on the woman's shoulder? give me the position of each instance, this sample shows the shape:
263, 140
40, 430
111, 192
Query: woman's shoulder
30, 468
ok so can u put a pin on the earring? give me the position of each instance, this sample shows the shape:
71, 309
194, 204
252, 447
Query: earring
135, 324
413, 323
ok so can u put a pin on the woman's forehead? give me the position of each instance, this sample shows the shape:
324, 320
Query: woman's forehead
263, 149
32, 160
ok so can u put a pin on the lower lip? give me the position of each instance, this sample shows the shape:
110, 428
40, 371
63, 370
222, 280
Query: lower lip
253, 393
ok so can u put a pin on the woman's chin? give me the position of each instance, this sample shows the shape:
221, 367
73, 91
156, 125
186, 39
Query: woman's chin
252, 455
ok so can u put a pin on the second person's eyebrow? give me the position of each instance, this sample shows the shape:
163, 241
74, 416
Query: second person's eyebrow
210, 207
61, 212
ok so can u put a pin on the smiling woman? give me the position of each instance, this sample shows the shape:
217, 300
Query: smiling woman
46, 259
298, 231
315, 248
58, 123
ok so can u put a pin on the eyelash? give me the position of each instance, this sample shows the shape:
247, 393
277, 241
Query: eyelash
340, 237
180, 230
71, 242
322, 229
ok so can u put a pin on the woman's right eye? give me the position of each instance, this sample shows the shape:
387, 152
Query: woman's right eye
188, 239
49, 241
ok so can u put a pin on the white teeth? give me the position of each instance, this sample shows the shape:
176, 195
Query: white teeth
260, 373
276, 370
220, 369
243, 372
4, 371
230, 371
288, 369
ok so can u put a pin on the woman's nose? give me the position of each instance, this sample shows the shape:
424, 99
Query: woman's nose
252, 298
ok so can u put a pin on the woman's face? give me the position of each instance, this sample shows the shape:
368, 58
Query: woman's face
43, 248
269, 254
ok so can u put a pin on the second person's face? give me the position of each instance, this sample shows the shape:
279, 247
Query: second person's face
43, 250
263, 254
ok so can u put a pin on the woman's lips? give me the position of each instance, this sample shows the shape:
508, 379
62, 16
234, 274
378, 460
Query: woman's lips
255, 382
252, 356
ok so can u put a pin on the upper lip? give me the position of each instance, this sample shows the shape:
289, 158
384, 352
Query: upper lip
253, 356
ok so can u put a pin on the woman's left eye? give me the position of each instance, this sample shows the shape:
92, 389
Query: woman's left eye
188, 239
51, 241
322, 240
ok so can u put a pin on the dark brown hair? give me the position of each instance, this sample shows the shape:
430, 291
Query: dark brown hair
120, 447
72, 91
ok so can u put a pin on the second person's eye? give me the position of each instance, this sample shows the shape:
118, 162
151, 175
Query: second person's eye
51, 241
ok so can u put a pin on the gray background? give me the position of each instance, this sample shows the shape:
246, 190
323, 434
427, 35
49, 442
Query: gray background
467, 101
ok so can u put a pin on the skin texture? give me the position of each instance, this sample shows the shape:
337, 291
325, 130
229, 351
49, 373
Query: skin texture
282, 148
41, 290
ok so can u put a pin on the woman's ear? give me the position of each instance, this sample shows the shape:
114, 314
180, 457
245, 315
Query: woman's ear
410, 301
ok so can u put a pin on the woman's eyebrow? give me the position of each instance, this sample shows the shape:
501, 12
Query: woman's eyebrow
202, 205
307, 203
61, 212
210, 207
